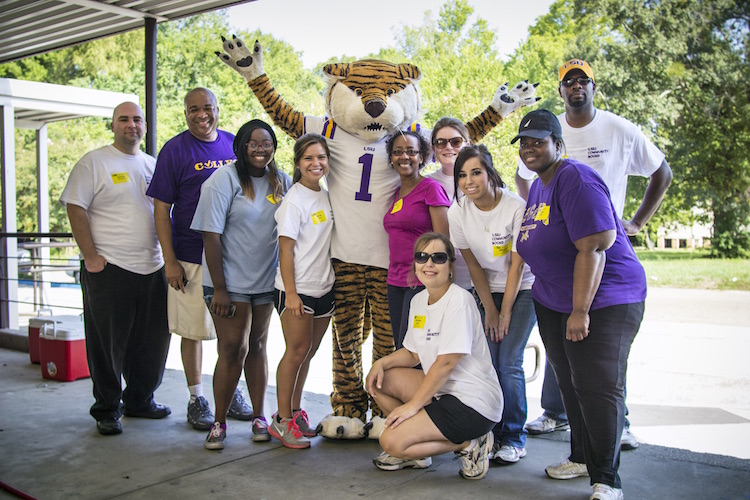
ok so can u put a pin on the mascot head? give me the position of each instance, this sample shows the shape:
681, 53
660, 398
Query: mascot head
372, 98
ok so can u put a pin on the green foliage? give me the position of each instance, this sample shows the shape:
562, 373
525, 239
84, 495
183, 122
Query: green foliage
185, 59
678, 68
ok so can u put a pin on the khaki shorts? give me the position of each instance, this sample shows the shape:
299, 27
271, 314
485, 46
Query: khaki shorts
187, 312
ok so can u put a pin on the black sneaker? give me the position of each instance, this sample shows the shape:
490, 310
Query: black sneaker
108, 426
199, 414
239, 409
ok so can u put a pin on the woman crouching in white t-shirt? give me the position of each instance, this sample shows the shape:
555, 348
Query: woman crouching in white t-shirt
452, 402
304, 284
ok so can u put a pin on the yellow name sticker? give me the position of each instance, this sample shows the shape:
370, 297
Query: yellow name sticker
271, 199
120, 177
318, 217
419, 321
543, 214
501, 250
398, 206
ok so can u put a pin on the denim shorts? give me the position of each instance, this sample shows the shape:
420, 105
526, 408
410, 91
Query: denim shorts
254, 299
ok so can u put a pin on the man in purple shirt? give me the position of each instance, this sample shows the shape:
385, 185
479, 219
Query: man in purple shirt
184, 163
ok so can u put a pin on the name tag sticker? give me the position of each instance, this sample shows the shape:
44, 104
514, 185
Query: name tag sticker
271, 199
419, 321
501, 250
120, 177
398, 206
318, 217
543, 214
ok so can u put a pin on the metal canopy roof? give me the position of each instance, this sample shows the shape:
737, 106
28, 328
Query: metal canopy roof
35, 104
31, 27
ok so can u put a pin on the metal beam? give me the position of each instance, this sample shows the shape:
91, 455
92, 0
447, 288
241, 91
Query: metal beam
114, 9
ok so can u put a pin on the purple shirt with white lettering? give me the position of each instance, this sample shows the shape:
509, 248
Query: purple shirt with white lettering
573, 205
182, 166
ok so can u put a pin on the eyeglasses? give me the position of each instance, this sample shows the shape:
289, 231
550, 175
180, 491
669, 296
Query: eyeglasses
409, 152
267, 145
582, 80
455, 142
437, 257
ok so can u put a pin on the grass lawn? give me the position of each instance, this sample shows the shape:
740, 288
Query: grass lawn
694, 269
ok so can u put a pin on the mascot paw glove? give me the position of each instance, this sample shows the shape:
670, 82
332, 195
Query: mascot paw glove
240, 58
507, 100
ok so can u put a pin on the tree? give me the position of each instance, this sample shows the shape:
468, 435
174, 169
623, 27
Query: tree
185, 59
681, 67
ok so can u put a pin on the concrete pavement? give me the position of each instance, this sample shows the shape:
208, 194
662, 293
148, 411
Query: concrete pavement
50, 449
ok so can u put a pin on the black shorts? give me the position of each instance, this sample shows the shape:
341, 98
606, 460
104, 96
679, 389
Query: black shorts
321, 307
457, 422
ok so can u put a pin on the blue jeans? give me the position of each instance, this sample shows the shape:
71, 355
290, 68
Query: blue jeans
507, 358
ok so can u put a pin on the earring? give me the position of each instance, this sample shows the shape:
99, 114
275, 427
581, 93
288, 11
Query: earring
450, 275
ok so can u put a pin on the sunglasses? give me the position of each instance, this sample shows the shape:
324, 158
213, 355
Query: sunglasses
581, 80
437, 257
455, 142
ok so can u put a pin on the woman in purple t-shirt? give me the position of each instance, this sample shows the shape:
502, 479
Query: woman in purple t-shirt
589, 297
420, 205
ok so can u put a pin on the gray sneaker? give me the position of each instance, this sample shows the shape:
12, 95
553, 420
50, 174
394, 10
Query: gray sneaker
199, 414
259, 428
288, 433
239, 409
300, 418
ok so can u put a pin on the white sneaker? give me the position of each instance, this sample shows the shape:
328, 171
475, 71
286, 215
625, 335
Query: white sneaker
545, 425
508, 454
567, 470
628, 441
384, 461
606, 492
475, 460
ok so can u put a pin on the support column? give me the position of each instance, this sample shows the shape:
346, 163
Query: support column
150, 29
8, 245
42, 211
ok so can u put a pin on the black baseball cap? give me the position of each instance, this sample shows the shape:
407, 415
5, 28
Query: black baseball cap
538, 124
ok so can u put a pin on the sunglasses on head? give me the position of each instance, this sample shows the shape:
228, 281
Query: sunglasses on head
437, 257
582, 80
443, 143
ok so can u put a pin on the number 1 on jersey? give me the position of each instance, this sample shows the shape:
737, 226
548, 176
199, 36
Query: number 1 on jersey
363, 195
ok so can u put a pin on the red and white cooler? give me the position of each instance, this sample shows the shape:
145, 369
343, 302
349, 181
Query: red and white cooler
62, 351
35, 326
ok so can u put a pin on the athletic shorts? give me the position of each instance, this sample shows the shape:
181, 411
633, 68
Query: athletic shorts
321, 307
254, 299
457, 422
187, 312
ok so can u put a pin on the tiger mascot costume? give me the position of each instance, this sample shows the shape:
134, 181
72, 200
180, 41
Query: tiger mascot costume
365, 101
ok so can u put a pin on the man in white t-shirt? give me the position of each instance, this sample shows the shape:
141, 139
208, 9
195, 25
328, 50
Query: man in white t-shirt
616, 148
122, 273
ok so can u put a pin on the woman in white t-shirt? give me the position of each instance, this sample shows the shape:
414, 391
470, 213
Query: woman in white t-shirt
454, 400
484, 226
304, 284
449, 137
